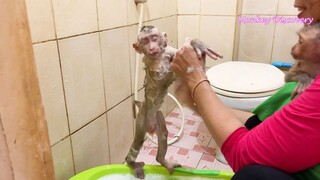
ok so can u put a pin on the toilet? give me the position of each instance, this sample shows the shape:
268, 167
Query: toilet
244, 85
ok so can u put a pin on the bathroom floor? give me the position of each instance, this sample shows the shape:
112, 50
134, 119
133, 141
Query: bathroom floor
194, 149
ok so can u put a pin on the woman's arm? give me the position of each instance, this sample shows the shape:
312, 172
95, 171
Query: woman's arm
292, 133
220, 121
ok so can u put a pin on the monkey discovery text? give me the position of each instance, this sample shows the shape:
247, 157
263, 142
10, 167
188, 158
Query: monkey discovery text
275, 19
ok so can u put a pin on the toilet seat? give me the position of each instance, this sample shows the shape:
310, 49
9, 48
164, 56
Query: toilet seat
239, 79
242, 95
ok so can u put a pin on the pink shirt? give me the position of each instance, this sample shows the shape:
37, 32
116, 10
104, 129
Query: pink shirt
288, 140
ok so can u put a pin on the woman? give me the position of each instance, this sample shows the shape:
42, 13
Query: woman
287, 142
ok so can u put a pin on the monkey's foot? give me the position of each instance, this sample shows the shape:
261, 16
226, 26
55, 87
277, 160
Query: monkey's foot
137, 167
170, 165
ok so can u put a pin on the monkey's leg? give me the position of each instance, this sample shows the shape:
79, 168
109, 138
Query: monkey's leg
139, 138
162, 133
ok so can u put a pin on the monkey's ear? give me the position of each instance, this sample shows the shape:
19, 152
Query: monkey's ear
165, 39
136, 47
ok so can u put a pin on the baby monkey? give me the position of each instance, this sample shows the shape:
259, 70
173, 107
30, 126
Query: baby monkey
159, 76
306, 51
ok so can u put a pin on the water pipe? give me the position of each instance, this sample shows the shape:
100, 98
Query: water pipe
177, 136
136, 78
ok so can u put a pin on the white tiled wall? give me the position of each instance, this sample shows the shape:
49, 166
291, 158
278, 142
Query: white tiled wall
49, 73
120, 136
41, 20
75, 17
218, 7
83, 78
267, 43
261, 8
132, 53
189, 7
286, 7
213, 21
285, 37
220, 36
256, 42
170, 7
116, 65
63, 159
91, 145
108, 18
86, 63
154, 9
188, 21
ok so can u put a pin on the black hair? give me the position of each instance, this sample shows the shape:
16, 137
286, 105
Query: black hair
146, 29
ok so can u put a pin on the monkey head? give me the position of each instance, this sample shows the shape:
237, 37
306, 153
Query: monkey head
151, 42
308, 46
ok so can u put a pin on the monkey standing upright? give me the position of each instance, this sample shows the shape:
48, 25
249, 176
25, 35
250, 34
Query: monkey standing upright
158, 55
159, 76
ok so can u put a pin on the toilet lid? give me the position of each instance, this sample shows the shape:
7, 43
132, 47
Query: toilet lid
245, 79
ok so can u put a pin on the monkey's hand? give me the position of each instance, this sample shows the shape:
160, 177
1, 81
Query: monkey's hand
303, 82
202, 50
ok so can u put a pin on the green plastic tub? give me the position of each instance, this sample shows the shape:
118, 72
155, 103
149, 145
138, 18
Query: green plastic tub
122, 169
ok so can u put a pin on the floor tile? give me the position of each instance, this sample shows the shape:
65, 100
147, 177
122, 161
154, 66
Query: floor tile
195, 148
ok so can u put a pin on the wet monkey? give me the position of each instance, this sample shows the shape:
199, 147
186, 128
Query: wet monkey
157, 58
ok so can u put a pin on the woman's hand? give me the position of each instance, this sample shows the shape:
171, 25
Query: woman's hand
188, 65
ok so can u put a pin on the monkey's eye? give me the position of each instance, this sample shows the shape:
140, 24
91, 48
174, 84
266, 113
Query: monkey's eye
144, 41
154, 38
300, 41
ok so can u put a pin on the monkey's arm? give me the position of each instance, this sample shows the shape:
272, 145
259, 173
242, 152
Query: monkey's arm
171, 51
303, 81
298, 73
182, 91
202, 49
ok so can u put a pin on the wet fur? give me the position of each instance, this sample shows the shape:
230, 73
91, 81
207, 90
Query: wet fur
159, 76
